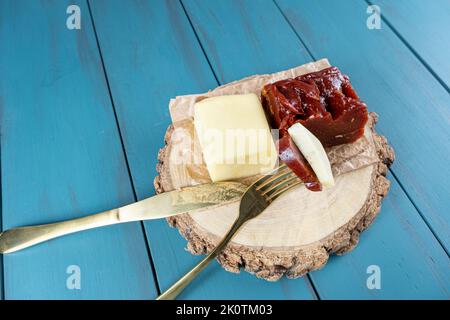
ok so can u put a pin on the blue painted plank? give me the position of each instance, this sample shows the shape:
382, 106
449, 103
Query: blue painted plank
159, 58
249, 32
424, 25
413, 106
62, 158
243, 38
412, 265
390, 245
1, 219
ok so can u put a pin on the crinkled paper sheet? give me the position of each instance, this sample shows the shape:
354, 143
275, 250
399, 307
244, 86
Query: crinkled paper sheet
343, 158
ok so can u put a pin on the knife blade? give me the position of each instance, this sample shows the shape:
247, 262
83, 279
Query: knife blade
187, 199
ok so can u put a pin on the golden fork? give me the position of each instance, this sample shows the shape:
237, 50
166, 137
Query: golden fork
255, 199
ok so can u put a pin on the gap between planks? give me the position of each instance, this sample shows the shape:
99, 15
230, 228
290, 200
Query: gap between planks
2, 267
105, 74
413, 51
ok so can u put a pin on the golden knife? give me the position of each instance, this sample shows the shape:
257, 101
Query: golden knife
166, 204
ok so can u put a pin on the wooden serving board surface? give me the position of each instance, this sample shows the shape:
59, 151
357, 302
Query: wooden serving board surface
296, 233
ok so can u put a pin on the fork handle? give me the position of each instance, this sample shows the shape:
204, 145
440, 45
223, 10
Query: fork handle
178, 287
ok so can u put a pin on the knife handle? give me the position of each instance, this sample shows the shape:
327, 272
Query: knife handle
19, 238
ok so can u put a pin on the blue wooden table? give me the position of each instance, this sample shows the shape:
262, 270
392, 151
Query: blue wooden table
83, 113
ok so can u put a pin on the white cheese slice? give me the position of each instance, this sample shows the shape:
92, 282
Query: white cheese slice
314, 153
235, 137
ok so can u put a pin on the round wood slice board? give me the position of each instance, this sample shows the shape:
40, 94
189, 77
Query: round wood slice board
298, 231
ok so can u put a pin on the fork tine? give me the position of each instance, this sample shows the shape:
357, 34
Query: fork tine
283, 189
272, 176
268, 175
276, 182
280, 182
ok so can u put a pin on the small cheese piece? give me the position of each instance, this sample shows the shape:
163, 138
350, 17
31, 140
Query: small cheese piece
314, 152
235, 137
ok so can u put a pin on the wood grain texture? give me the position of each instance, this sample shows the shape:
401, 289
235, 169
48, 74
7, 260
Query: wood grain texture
424, 26
412, 104
299, 231
353, 55
62, 158
150, 58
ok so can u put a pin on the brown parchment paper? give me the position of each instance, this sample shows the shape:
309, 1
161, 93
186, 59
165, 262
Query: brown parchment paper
343, 158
